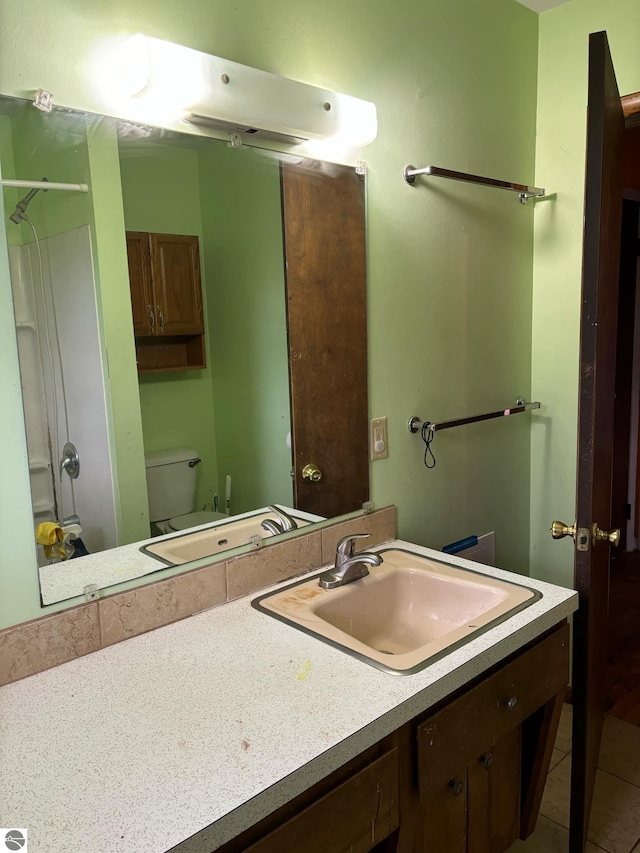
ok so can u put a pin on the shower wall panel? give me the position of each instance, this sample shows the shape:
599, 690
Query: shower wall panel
68, 279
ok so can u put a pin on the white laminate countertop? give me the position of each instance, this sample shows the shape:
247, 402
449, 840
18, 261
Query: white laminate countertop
191, 733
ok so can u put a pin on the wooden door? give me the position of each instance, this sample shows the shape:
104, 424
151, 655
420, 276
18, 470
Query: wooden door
138, 255
602, 214
175, 264
324, 241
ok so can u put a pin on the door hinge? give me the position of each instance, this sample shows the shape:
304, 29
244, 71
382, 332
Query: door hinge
627, 512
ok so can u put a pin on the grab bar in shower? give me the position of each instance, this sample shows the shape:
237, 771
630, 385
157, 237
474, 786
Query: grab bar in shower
524, 191
416, 425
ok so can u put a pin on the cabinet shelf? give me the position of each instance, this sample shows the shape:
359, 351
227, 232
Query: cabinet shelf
177, 352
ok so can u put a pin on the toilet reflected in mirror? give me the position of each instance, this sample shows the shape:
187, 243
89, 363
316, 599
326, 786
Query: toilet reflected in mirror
172, 479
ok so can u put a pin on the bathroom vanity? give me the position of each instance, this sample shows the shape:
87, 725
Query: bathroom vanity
230, 730
466, 776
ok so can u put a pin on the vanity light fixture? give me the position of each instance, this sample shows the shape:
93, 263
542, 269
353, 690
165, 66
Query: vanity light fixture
205, 90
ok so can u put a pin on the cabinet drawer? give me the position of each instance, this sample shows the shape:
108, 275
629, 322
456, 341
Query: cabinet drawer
352, 818
483, 715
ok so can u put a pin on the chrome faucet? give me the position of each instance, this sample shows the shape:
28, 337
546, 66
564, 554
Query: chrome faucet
349, 566
282, 525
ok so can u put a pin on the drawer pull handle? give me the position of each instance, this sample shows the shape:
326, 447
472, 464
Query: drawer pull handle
511, 703
486, 760
457, 786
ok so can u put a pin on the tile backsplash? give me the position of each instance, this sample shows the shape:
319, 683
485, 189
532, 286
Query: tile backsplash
43, 643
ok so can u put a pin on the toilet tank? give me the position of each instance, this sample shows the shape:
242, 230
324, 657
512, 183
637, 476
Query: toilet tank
171, 482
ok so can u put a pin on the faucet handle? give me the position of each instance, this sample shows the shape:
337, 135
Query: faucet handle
286, 521
347, 544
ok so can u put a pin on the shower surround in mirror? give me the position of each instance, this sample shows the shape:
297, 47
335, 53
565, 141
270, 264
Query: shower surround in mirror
64, 396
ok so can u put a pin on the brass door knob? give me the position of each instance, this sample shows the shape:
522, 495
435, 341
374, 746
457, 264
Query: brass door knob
311, 472
612, 536
559, 530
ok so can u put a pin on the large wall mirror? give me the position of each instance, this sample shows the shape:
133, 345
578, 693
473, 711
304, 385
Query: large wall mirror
271, 384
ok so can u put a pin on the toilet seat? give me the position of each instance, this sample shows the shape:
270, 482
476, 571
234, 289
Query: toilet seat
194, 519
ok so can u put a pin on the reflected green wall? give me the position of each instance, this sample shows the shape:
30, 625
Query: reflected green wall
112, 279
161, 193
562, 97
242, 223
44, 149
236, 411
449, 265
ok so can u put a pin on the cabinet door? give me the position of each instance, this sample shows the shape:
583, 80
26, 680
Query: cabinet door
493, 800
442, 823
142, 304
175, 264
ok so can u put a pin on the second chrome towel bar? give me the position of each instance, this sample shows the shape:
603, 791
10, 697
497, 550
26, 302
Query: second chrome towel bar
524, 191
416, 425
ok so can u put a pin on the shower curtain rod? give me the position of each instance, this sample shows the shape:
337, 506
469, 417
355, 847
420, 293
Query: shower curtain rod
46, 185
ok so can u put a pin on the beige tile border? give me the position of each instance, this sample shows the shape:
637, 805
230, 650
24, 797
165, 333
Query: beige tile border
47, 642
136, 611
43, 643
275, 563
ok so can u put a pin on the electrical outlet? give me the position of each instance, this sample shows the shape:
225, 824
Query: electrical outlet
378, 442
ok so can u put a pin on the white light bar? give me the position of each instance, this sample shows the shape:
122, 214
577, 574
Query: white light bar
219, 93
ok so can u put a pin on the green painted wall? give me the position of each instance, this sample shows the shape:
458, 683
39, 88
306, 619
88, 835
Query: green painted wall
242, 223
562, 97
161, 193
9, 194
48, 146
112, 280
450, 265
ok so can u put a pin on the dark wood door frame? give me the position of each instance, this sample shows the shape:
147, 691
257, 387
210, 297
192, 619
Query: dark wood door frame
620, 505
631, 109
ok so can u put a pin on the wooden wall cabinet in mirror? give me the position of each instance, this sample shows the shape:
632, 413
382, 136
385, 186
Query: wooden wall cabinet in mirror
166, 301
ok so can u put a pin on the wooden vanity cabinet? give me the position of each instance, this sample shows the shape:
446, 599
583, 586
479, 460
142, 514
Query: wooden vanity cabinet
483, 758
166, 301
354, 810
465, 777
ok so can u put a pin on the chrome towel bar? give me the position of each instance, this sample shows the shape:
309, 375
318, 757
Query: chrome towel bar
416, 425
524, 191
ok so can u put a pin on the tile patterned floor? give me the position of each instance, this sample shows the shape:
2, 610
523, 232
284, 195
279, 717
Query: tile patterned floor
615, 816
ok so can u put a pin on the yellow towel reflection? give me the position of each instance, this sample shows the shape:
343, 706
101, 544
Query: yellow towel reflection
50, 536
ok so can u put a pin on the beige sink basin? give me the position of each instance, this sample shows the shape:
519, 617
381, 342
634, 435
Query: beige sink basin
408, 612
211, 540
